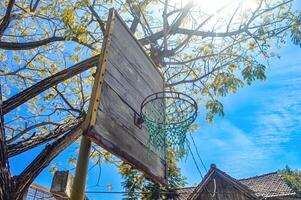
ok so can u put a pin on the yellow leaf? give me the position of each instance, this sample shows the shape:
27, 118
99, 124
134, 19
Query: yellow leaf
53, 67
68, 16
31, 65
17, 59
2, 56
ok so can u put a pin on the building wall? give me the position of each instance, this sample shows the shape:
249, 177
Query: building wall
37, 192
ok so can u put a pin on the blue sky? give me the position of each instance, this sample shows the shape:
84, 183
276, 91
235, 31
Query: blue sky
261, 130
260, 133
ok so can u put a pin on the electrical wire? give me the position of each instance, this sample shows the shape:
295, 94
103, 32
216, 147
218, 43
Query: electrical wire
162, 192
212, 195
195, 163
197, 152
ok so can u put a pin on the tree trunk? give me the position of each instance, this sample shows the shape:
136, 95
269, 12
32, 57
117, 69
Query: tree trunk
9, 189
5, 183
15, 187
5, 176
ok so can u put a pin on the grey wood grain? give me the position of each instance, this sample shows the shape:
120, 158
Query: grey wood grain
129, 78
114, 124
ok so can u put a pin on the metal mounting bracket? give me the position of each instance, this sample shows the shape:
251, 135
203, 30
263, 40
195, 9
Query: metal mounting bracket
138, 120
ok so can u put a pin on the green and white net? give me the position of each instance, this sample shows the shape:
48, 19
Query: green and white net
168, 116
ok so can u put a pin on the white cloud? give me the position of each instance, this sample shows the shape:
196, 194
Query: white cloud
261, 131
280, 116
227, 146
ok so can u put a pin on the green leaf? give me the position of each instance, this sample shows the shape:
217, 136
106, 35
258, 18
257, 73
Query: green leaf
214, 107
259, 72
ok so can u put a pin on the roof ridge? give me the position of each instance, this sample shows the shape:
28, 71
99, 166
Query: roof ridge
258, 176
214, 170
39, 187
236, 181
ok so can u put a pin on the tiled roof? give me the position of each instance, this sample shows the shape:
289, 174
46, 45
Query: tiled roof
182, 193
268, 185
217, 172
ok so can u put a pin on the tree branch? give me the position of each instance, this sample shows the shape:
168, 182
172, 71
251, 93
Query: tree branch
33, 6
6, 19
136, 20
22, 146
5, 176
99, 20
46, 156
176, 24
14, 138
47, 83
35, 44
29, 45
156, 36
172, 28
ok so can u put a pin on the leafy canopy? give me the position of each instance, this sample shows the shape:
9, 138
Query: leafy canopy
206, 55
137, 186
293, 178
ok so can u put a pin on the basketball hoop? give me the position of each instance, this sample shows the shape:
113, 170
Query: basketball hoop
168, 129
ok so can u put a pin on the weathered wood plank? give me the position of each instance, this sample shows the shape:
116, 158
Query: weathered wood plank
114, 129
113, 106
121, 86
134, 53
129, 78
149, 78
128, 86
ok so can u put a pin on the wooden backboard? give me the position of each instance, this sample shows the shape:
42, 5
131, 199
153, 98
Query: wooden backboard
129, 77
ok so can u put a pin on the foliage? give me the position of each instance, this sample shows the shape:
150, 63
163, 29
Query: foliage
293, 178
296, 31
206, 55
138, 186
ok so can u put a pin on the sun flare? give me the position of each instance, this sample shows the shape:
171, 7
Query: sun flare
225, 6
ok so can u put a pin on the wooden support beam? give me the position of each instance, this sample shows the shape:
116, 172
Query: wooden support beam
78, 188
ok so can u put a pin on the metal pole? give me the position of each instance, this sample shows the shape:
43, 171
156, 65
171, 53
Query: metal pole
79, 182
